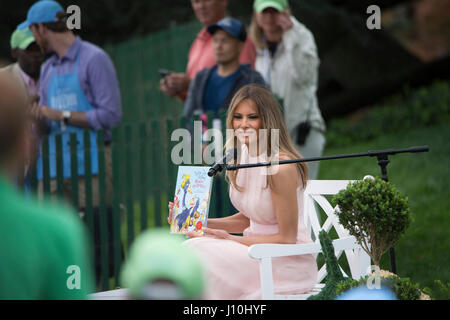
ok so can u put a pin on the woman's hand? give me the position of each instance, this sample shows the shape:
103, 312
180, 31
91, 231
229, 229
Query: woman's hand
284, 20
208, 232
169, 218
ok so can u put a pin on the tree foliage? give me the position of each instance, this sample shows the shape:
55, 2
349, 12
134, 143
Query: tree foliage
375, 213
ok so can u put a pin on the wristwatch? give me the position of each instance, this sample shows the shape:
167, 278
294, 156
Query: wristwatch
66, 116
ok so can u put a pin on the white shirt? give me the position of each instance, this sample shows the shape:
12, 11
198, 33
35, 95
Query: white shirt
292, 74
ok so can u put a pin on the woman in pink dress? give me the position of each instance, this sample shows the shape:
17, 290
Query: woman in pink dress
269, 204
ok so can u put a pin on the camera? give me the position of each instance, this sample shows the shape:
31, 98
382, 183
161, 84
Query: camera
302, 132
164, 72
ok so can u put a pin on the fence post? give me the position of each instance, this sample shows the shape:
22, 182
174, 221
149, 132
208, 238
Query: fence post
226, 203
143, 146
215, 202
59, 166
102, 213
172, 169
33, 177
89, 214
117, 148
129, 184
46, 164
74, 170
156, 134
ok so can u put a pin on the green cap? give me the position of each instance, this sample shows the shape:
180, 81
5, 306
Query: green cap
158, 255
280, 5
21, 38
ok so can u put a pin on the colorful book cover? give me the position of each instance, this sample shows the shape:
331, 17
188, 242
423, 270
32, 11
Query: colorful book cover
191, 201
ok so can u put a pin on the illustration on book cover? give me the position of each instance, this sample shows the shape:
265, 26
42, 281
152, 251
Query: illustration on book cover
191, 201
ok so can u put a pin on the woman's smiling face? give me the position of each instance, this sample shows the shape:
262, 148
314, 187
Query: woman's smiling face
246, 122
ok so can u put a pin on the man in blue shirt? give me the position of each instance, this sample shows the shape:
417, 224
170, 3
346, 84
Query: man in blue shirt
78, 90
213, 88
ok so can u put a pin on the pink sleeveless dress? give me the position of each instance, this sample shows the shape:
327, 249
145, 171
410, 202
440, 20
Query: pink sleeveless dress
230, 272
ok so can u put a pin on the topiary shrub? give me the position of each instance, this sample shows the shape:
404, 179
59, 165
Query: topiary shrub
375, 213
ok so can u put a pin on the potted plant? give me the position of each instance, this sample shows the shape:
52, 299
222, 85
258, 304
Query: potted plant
375, 213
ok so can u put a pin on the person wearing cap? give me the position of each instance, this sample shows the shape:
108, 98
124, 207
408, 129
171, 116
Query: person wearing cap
161, 267
213, 88
43, 249
26, 72
288, 60
79, 90
201, 54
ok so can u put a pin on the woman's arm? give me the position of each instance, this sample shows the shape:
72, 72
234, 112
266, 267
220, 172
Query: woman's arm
236, 223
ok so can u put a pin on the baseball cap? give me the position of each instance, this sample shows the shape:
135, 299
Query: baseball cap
233, 26
21, 38
41, 12
156, 254
280, 5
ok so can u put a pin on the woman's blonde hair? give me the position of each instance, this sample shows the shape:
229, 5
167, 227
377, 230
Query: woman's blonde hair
269, 111
257, 34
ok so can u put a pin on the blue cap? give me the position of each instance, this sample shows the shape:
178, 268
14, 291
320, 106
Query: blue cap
233, 26
41, 12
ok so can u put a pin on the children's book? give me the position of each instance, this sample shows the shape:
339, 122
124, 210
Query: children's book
191, 201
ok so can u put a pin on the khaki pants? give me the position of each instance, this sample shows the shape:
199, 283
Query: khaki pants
67, 187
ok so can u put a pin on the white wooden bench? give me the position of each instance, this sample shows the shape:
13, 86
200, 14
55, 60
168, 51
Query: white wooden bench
358, 260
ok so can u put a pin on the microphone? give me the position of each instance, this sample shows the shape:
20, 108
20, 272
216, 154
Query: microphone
219, 165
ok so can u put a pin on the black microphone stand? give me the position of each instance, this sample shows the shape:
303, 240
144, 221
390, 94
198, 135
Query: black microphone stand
383, 161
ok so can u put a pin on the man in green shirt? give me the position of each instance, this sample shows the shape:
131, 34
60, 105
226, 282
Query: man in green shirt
43, 247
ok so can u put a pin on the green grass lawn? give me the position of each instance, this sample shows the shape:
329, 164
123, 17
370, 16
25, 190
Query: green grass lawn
422, 253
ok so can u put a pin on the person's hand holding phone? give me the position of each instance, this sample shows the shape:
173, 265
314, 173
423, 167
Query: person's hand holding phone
174, 83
